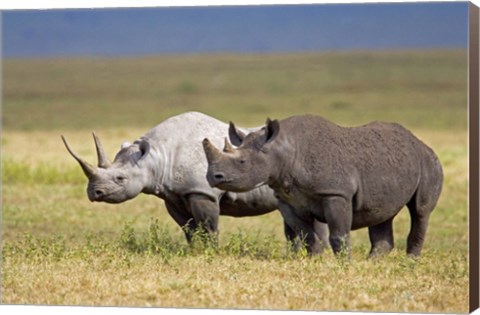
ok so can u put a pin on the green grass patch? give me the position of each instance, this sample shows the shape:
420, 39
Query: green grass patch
18, 172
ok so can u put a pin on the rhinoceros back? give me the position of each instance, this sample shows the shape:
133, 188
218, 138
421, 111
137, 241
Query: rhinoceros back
380, 164
179, 138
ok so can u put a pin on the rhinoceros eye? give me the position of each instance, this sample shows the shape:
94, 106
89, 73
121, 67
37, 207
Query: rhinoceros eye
242, 161
120, 178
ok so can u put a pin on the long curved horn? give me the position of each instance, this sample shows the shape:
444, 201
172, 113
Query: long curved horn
103, 161
228, 147
87, 168
212, 153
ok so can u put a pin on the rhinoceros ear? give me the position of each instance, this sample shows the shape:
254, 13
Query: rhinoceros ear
144, 147
235, 135
272, 128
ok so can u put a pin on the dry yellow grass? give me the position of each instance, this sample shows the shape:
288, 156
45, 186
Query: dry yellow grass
79, 269
393, 284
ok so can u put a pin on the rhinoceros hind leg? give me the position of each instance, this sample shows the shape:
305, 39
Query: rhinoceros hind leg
321, 229
423, 202
381, 238
418, 227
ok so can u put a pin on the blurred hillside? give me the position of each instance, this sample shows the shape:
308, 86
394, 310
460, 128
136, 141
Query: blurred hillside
420, 89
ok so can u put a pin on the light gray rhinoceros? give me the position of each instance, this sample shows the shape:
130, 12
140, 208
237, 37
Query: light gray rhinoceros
168, 161
349, 178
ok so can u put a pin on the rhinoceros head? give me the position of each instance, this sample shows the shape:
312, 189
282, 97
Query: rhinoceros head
246, 167
121, 180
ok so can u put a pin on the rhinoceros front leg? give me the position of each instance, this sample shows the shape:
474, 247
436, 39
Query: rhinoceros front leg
302, 227
184, 219
194, 212
205, 212
338, 214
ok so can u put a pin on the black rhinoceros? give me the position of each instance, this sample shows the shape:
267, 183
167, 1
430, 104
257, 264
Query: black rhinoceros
349, 178
168, 161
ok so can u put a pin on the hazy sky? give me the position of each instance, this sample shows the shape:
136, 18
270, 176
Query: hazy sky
246, 29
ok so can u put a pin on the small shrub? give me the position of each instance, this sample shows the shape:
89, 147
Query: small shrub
33, 247
128, 238
159, 241
256, 246
203, 242
156, 241
238, 245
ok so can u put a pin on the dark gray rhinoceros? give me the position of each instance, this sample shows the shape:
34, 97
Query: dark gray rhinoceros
168, 161
349, 178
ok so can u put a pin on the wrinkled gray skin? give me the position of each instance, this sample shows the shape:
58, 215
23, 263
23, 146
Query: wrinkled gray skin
349, 178
168, 161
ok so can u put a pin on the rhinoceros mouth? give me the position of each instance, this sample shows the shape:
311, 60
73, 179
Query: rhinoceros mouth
230, 185
109, 199
219, 180
99, 195
215, 182
223, 183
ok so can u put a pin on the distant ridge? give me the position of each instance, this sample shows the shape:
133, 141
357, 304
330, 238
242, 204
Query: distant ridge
246, 29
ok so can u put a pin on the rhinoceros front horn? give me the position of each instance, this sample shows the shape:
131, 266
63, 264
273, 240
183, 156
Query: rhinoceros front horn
103, 161
87, 168
212, 153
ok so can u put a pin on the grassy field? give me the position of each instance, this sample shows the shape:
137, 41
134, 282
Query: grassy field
58, 248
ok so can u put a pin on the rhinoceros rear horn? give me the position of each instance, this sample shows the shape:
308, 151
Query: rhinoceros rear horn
228, 147
103, 161
211, 152
87, 168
